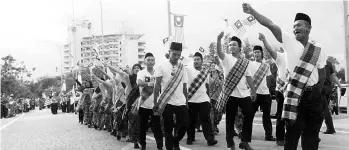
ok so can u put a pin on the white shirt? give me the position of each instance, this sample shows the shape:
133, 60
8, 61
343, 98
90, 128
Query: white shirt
281, 64
294, 49
145, 76
164, 70
263, 87
241, 90
200, 95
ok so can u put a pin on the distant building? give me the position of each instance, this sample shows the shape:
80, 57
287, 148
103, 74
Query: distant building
119, 49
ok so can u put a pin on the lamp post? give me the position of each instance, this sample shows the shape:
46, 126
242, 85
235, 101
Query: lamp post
346, 38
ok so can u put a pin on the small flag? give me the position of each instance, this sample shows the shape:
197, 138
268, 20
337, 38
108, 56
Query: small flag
165, 40
239, 28
250, 20
201, 49
191, 55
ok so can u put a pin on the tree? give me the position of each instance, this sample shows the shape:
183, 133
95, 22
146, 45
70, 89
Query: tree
341, 74
333, 60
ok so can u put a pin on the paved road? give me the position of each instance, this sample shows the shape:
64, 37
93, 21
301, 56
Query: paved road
38, 130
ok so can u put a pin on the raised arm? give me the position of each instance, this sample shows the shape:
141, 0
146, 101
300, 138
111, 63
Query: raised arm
272, 53
185, 92
100, 81
219, 46
264, 21
117, 70
104, 73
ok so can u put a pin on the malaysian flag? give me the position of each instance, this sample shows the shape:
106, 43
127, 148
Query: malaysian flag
239, 28
165, 40
250, 20
201, 49
179, 30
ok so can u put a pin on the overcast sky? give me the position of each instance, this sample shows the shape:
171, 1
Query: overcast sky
27, 24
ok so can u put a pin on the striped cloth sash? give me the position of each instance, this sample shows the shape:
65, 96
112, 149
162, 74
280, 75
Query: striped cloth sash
298, 80
231, 81
169, 89
197, 82
260, 74
118, 100
281, 84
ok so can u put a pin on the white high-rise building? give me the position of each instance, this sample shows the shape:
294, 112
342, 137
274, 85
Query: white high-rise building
119, 49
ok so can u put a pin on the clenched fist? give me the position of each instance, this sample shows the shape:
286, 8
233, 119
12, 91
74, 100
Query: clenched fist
261, 37
247, 8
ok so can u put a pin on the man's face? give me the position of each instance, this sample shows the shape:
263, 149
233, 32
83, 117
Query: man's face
234, 47
150, 61
301, 29
197, 62
136, 69
212, 66
175, 55
257, 54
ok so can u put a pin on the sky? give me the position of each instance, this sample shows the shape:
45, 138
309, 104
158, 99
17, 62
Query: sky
35, 30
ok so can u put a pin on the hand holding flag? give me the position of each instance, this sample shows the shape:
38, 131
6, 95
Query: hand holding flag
250, 20
239, 28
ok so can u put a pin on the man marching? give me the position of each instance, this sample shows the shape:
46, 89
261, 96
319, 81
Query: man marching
260, 71
199, 102
235, 93
146, 81
280, 61
172, 77
305, 59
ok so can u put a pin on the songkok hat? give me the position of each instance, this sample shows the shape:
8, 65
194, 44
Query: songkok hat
301, 16
176, 46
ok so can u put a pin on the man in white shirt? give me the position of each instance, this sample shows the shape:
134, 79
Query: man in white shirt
198, 101
173, 99
146, 81
280, 61
240, 96
263, 98
308, 112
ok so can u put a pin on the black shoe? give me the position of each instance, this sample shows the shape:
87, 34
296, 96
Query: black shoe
271, 138
245, 146
189, 142
95, 126
136, 146
211, 143
143, 148
329, 132
280, 143
176, 148
118, 137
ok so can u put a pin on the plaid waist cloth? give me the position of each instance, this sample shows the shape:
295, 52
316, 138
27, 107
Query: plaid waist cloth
298, 80
169, 89
233, 78
197, 82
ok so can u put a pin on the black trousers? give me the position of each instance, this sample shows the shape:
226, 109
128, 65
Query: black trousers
182, 121
203, 110
144, 115
309, 116
231, 109
327, 115
264, 101
280, 123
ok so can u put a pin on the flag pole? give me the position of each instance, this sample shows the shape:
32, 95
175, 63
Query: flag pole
346, 38
169, 17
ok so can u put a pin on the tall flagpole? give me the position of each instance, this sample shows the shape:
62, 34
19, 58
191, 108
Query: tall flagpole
169, 17
346, 38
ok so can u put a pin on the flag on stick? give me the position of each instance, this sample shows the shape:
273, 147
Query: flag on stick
179, 30
239, 28
250, 20
165, 40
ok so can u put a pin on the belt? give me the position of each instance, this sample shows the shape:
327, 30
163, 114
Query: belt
309, 88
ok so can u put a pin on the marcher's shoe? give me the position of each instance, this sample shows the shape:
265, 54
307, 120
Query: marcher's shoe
189, 142
136, 146
271, 138
329, 132
118, 137
128, 140
280, 143
109, 130
177, 148
89, 126
211, 143
245, 146
95, 126
143, 148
